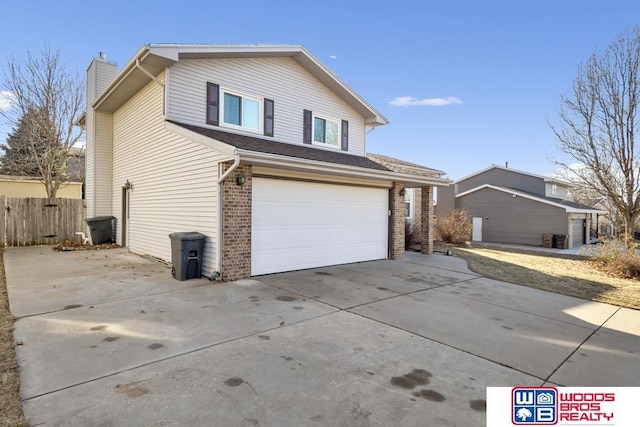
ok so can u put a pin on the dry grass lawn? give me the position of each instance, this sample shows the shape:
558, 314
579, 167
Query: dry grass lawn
10, 404
564, 275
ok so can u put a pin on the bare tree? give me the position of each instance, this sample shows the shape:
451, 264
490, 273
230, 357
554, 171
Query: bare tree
597, 127
47, 103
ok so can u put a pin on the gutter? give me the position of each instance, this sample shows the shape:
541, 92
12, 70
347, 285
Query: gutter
285, 162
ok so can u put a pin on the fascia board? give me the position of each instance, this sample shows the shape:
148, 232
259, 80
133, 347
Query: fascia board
266, 159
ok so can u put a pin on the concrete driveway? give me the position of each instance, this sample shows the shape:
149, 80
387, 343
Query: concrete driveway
110, 339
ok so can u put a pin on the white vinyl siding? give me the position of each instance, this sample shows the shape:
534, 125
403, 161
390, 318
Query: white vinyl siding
317, 177
282, 79
174, 179
98, 147
103, 152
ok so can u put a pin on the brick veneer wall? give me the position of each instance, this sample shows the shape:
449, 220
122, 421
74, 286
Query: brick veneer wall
426, 246
236, 225
397, 220
417, 212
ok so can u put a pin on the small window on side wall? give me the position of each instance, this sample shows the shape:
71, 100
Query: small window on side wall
408, 203
325, 131
241, 111
235, 110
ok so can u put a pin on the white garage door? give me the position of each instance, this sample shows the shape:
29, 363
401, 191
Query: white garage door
298, 225
578, 232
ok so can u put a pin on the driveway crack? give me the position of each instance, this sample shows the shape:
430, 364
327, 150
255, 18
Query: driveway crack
581, 344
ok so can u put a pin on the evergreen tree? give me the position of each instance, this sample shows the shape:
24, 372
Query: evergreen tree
22, 148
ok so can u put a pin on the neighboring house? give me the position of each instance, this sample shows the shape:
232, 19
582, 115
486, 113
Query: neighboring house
512, 206
260, 148
76, 164
27, 186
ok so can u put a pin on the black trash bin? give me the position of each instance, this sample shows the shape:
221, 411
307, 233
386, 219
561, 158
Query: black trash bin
186, 255
103, 229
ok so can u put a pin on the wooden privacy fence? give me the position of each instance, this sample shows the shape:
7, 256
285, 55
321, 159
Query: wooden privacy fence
39, 221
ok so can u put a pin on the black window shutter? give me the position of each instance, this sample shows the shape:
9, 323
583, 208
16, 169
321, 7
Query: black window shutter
213, 104
308, 118
345, 135
268, 117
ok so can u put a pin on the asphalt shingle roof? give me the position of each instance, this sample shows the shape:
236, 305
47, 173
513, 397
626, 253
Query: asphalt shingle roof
261, 145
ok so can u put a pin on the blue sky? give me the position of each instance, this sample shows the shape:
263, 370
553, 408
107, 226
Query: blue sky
501, 65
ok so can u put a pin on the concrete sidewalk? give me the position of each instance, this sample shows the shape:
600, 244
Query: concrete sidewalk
111, 339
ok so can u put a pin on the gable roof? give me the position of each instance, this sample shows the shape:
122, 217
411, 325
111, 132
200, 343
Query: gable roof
570, 207
272, 153
152, 59
544, 178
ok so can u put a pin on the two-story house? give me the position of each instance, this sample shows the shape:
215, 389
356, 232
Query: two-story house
512, 206
260, 148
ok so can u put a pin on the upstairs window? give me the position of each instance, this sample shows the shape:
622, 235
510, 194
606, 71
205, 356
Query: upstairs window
325, 131
232, 109
241, 111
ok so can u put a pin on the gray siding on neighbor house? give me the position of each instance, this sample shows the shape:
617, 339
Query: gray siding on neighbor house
446, 200
518, 220
503, 178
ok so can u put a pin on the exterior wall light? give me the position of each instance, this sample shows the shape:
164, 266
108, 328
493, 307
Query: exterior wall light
241, 179
128, 185
402, 192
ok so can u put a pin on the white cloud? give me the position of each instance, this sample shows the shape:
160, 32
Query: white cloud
333, 57
410, 101
7, 99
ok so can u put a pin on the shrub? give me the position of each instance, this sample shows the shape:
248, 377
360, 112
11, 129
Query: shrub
454, 228
615, 258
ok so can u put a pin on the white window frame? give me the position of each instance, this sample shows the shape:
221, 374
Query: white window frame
409, 194
327, 119
260, 102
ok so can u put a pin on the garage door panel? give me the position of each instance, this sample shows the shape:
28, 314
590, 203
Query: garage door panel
578, 232
298, 225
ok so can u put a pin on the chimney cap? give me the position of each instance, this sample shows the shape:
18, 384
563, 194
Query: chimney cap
102, 55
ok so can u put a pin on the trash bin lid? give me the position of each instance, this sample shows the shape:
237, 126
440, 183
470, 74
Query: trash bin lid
187, 235
101, 218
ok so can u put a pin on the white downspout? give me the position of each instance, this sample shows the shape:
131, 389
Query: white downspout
222, 177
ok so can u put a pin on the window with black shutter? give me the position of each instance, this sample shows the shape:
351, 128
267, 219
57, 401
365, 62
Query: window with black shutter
268, 117
213, 104
307, 125
345, 136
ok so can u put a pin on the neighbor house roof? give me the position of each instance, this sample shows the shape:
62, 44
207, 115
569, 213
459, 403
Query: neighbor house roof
302, 157
544, 178
398, 165
152, 59
568, 206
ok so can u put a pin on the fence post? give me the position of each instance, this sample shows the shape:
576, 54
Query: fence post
3, 230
